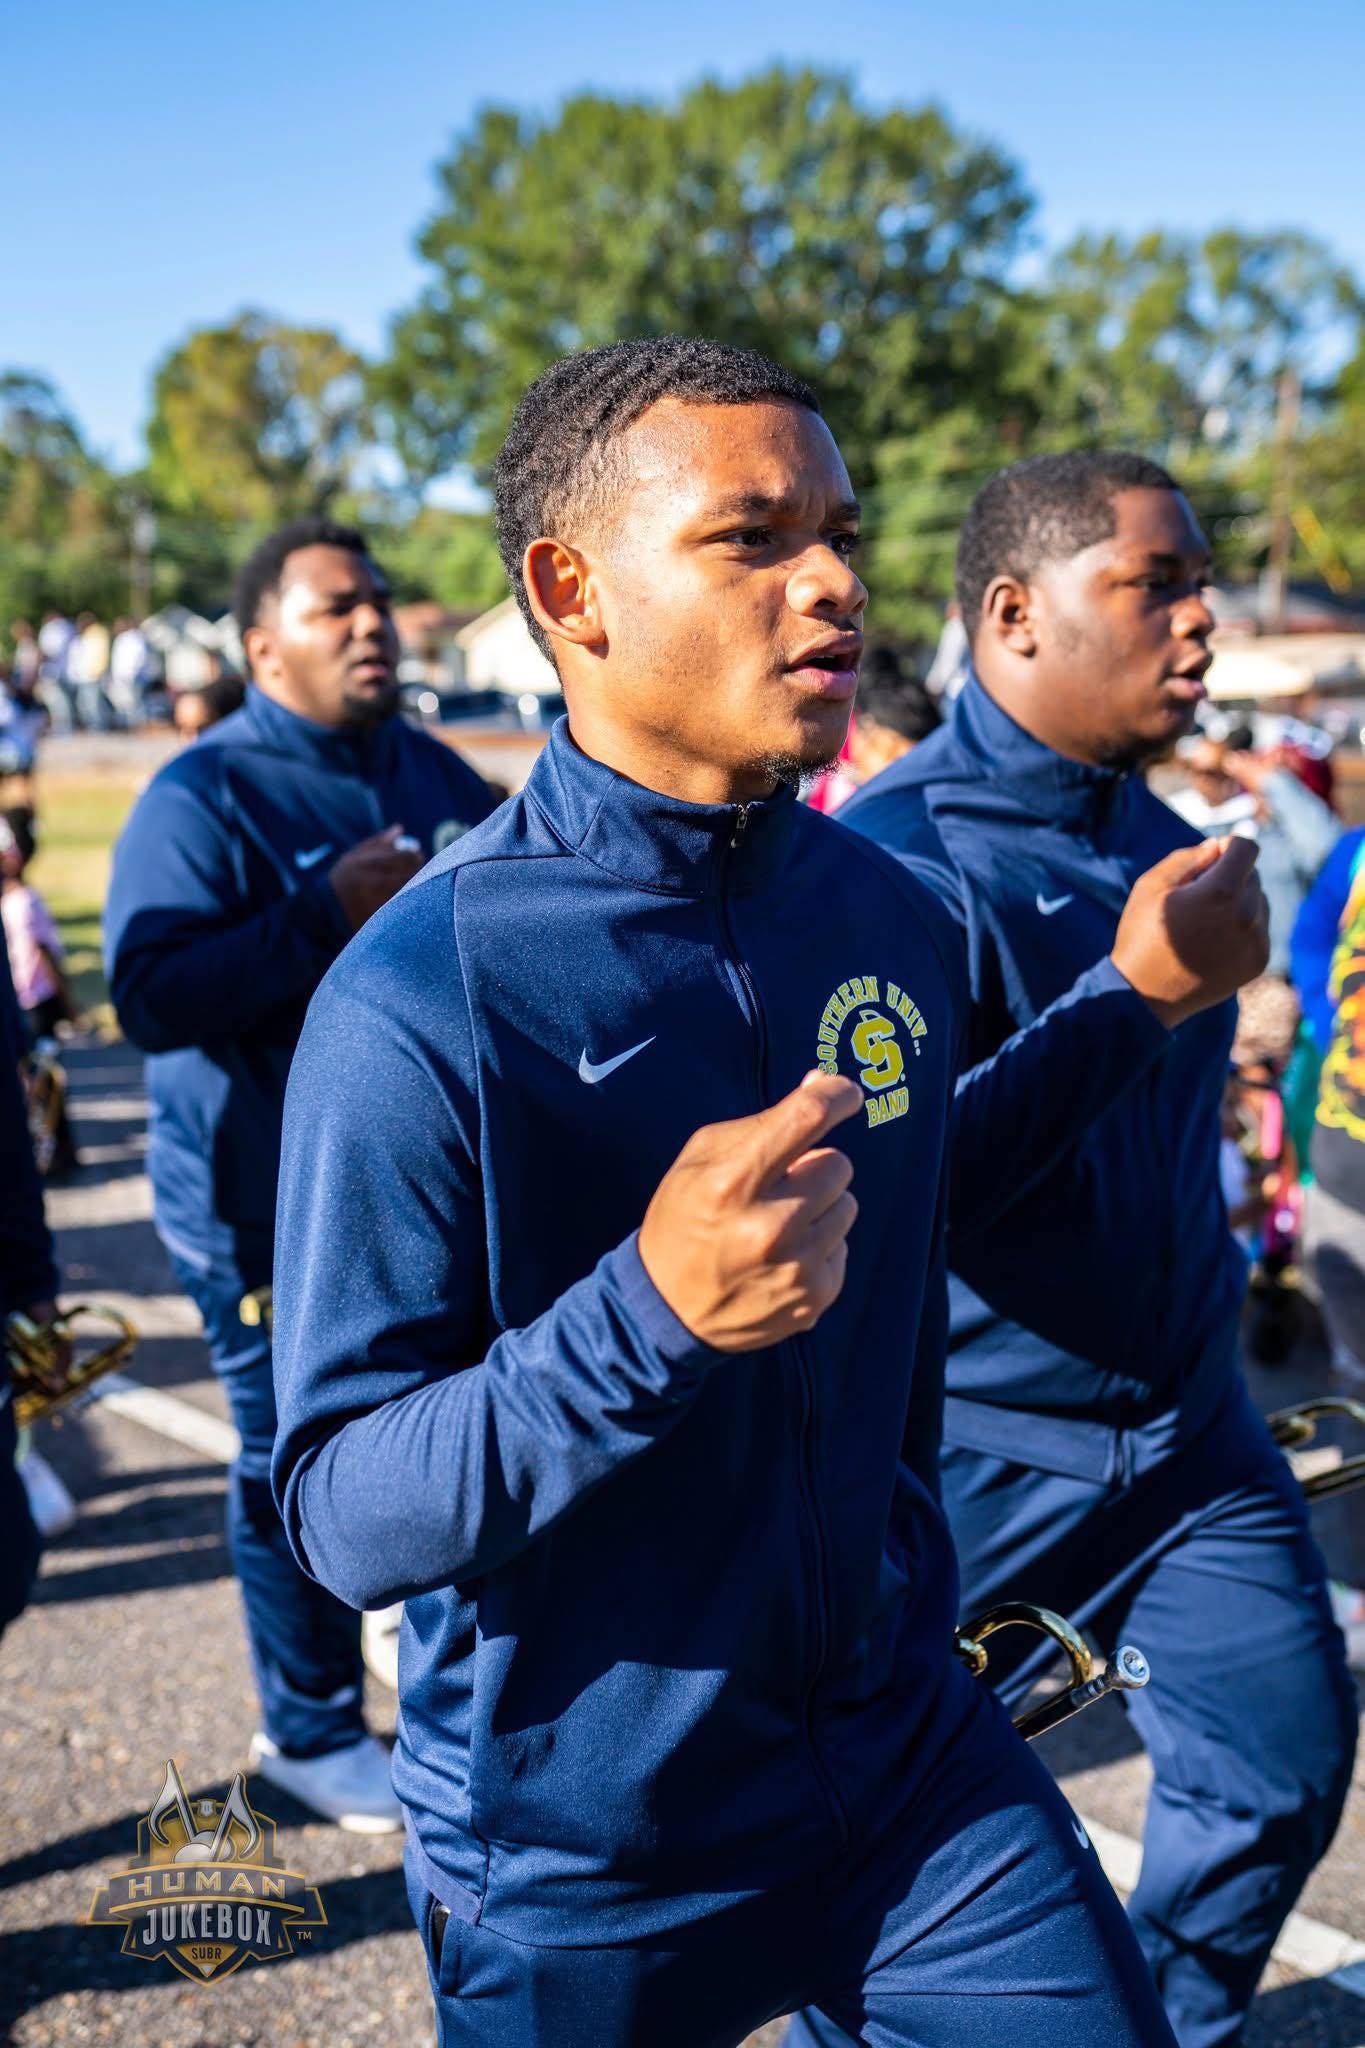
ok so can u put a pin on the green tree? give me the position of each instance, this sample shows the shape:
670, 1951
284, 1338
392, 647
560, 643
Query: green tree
255, 422
868, 250
63, 516
1170, 342
447, 555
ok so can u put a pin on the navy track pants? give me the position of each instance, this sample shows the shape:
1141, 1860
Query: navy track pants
979, 1915
1207, 1563
305, 1644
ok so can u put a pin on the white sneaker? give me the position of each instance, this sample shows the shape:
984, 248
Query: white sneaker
49, 1503
379, 1643
349, 1786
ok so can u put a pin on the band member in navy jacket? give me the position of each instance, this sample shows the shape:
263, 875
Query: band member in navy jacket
611, 1295
242, 872
1101, 1452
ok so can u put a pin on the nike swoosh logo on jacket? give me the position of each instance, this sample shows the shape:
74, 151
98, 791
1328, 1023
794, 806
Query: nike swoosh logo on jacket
216, 935
677, 1622
1110, 1291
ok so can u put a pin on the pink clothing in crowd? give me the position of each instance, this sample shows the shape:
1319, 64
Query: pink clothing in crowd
30, 926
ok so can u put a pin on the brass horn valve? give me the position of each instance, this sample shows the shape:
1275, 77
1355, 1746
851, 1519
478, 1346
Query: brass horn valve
1126, 1671
1295, 1428
49, 1367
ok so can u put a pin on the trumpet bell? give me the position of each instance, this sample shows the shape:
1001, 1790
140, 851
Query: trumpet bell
42, 1381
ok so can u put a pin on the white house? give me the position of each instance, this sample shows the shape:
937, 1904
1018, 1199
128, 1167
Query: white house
499, 654
188, 644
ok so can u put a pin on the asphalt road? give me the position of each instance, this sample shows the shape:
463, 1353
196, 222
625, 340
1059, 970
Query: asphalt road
132, 1653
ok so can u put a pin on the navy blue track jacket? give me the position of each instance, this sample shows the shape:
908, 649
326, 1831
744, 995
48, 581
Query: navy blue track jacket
220, 924
677, 1623
1107, 1295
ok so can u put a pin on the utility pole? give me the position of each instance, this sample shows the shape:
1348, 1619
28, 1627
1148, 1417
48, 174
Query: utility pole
143, 539
1275, 577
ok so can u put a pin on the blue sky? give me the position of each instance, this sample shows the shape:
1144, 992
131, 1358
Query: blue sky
165, 165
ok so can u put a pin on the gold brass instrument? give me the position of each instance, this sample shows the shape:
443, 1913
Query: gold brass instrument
257, 1308
1294, 1428
1126, 1671
33, 1351
44, 1082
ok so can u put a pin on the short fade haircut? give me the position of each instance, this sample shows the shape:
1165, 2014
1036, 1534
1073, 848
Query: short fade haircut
556, 460
259, 576
893, 695
1045, 509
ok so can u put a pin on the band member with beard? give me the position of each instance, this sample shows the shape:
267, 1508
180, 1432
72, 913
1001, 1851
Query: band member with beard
241, 874
610, 1299
1100, 1450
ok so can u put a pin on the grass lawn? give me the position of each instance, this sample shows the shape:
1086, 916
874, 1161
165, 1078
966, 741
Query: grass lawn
78, 821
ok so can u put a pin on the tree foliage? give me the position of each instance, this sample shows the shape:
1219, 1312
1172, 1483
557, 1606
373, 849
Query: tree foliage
869, 251
451, 556
255, 422
63, 520
877, 251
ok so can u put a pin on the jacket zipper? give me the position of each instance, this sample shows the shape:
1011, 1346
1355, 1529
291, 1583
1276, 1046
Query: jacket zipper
819, 1567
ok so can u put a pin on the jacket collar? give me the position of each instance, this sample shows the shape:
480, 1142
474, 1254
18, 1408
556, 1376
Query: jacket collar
657, 841
1050, 786
352, 750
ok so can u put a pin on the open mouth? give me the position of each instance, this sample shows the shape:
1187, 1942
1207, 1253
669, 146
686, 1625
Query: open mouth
830, 671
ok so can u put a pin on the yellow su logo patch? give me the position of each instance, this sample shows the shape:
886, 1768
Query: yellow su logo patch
879, 1025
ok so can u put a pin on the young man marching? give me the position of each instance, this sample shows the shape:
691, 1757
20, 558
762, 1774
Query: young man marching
1101, 1452
245, 867
639, 1418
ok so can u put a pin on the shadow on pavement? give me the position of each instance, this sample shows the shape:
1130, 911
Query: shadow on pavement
71, 1852
156, 1574
185, 1515
39, 1963
1314, 2015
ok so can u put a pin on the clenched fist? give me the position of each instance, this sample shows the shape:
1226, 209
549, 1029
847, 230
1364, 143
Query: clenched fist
1194, 929
368, 874
745, 1238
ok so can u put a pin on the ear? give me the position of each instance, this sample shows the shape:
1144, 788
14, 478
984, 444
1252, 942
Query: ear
563, 594
1007, 616
258, 646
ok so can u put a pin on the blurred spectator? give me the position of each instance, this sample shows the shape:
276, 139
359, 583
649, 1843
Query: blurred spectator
26, 660
1268, 1216
132, 671
1260, 797
1329, 973
88, 668
196, 710
894, 711
36, 954
34, 944
56, 639
1304, 748
23, 720
952, 662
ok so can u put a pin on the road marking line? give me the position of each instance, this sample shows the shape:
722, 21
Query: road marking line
1309, 1946
169, 1417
